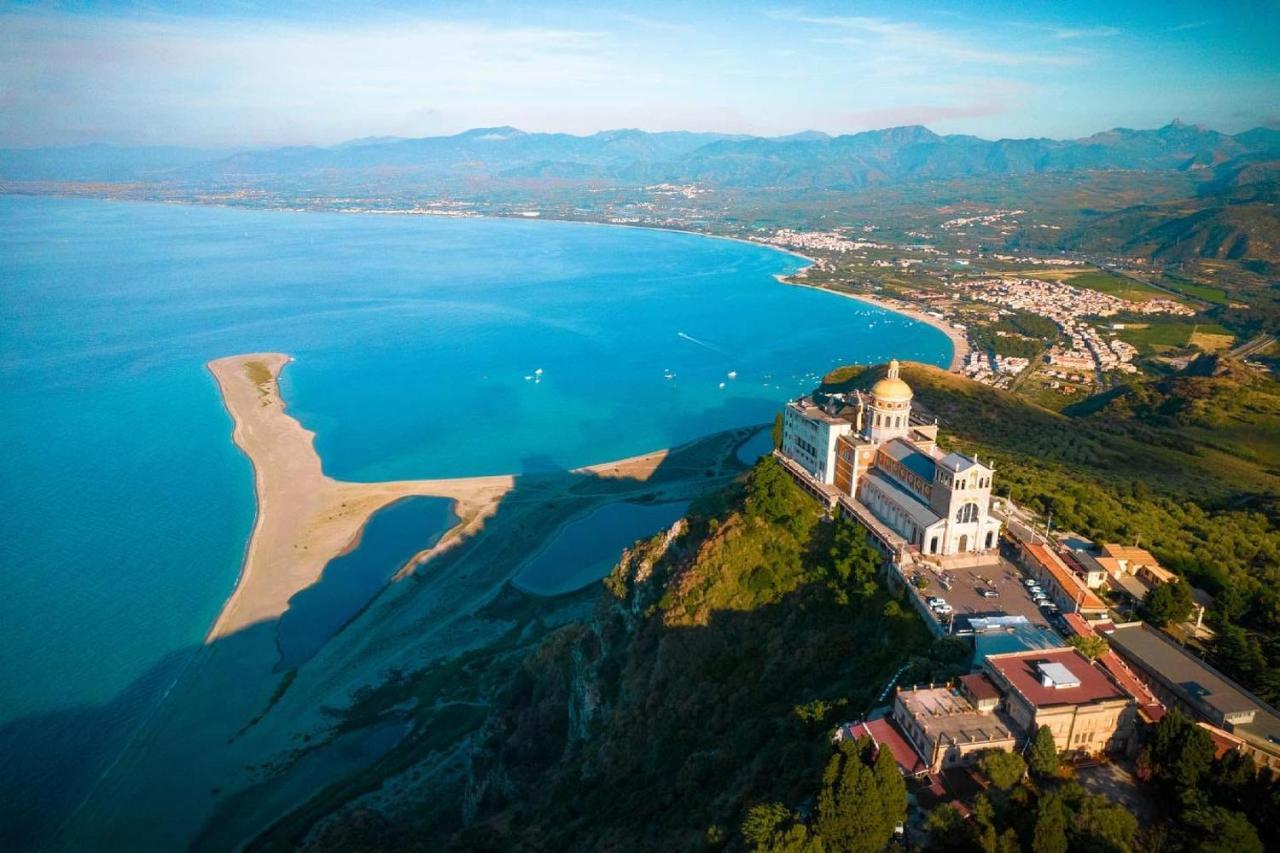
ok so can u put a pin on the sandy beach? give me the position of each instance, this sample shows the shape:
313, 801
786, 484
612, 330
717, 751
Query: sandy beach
305, 518
959, 343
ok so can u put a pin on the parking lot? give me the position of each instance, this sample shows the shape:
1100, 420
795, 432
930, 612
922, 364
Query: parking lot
963, 591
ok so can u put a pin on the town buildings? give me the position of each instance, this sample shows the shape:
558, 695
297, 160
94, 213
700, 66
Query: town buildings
867, 453
1088, 708
1066, 588
1180, 678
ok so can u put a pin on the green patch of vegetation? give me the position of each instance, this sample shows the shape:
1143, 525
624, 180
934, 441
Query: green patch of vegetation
1023, 335
1117, 286
1157, 336
1203, 292
259, 374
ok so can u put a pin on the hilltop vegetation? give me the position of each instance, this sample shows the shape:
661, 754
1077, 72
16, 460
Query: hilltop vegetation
704, 686
1188, 465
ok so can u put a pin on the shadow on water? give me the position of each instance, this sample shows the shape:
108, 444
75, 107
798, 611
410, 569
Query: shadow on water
146, 775
391, 537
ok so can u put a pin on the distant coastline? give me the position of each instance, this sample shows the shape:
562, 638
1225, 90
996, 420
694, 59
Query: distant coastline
959, 343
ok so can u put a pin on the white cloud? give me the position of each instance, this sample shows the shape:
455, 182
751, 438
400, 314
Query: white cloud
911, 42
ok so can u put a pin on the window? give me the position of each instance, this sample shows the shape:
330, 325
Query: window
967, 513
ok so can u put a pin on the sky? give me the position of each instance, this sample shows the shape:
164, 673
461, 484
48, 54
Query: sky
241, 74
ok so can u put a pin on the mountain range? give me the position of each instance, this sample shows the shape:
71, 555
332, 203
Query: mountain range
809, 160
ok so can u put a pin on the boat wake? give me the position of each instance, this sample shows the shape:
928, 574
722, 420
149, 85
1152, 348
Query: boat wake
702, 343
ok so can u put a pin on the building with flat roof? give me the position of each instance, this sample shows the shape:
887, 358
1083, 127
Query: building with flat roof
1086, 710
951, 725
1180, 678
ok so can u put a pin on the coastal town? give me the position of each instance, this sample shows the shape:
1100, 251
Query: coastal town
1050, 621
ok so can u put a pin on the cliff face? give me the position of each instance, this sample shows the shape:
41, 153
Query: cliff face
705, 682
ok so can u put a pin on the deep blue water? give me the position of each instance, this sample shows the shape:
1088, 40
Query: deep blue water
416, 341
585, 550
390, 538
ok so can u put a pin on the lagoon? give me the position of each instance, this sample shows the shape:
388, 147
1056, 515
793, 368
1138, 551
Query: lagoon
587, 548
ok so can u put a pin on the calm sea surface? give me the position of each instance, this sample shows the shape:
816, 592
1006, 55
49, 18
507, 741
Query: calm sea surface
423, 347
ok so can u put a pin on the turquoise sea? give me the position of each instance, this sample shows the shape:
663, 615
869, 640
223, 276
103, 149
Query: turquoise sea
423, 347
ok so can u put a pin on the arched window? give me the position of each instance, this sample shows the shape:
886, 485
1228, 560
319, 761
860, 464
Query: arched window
967, 513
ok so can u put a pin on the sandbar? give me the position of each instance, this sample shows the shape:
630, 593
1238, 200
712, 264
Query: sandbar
306, 518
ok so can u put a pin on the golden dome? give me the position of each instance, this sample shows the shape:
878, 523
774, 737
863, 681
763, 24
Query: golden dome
891, 389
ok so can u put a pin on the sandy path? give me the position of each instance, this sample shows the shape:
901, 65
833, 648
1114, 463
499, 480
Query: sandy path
306, 518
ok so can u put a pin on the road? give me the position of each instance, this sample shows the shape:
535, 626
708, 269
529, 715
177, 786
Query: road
1252, 346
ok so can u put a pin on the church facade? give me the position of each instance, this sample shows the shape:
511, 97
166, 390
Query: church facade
867, 447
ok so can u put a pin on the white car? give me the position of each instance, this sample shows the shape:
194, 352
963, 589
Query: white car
942, 609
934, 601
1039, 598
1029, 582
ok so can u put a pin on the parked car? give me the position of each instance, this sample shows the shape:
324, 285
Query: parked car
934, 601
1039, 598
1048, 607
989, 593
942, 609
1029, 582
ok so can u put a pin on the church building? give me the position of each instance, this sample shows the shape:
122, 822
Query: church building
869, 448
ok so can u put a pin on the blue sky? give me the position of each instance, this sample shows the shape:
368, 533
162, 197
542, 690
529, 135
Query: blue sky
246, 73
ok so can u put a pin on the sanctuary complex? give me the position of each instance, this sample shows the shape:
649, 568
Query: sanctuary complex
882, 465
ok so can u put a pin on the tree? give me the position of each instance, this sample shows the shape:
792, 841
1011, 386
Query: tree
1181, 753
1102, 825
1213, 829
851, 815
1091, 646
1042, 758
854, 561
776, 432
893, 791
948, 830
1050, 834
1167, 603
1002, 769
773, 828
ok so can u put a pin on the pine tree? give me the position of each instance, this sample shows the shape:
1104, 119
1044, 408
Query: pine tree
851, 815
1050, 835
893, 791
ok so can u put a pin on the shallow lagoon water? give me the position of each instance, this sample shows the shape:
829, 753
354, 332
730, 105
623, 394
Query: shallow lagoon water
417, 343
389, 540
586, 549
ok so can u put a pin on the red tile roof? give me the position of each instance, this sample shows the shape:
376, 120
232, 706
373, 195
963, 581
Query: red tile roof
1078, 625
979, 686
1019, 670
886, 734
1064, 577
1129, 683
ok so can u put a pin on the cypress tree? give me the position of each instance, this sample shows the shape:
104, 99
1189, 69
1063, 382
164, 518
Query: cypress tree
1042, 758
